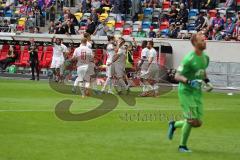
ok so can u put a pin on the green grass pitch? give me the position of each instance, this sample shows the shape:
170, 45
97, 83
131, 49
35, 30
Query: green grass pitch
30, 130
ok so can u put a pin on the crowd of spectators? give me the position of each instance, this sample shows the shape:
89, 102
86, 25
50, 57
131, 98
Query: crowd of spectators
217, 27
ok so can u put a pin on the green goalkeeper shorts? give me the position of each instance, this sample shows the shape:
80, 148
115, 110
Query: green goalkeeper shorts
191, 103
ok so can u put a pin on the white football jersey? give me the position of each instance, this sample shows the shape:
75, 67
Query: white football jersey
153, 54
110, 53
145, 53
122, 56
58, 50
83, 54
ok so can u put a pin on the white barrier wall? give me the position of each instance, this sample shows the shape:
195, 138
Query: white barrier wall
217, 51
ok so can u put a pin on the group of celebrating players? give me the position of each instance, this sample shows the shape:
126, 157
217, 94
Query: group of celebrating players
116, 50
191, 75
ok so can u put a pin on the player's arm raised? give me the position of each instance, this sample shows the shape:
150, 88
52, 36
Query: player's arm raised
115, 57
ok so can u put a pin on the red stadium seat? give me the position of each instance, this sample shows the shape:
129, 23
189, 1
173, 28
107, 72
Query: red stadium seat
164, 25
25, 48
166, 5
137, 55
17, 47
5, 47
40, 54
24, 58
3, 54
98, 56
127, 31
47, 59
49, 48
119, 24
20, 28
40, 48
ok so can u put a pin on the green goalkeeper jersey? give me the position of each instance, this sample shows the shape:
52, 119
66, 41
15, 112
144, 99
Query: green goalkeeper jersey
193, 67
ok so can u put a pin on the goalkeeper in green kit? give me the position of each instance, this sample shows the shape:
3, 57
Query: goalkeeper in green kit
191, 75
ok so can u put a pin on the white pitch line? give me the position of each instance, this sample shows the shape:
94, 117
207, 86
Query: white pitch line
139, 110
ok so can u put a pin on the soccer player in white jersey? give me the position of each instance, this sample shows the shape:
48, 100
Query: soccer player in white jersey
142, 66
59, 50
92, 66
110, 68
119, 62
84, 56
153, 68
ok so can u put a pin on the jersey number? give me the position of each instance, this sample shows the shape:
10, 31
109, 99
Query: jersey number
83, 56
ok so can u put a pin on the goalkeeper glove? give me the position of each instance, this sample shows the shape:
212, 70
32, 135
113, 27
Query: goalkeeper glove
208, 87
196, 83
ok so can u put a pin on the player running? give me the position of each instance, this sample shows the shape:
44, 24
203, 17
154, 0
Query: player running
119, 62
110, 68
191, 74
84, 57
59, 50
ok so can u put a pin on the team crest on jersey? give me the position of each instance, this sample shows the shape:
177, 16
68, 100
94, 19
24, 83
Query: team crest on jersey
200, 73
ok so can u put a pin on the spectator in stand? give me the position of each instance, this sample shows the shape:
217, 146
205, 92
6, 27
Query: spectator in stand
151, 3
152, 34
31, 29
88, 6
51, 28
94, 16
101, 29
117, 9
36, 30
211, 4
174, 30
216, 26
95, 4
228, 30
11, 58
59, 29
126, 5
65, 18
200, 22
136, 7
5, 27
69, 28
182, 16
91, 26
236, 33
141, 33
238, 16
197, 4
9, 5
106, 3
230, 4
217, 23
172, 15
72, 18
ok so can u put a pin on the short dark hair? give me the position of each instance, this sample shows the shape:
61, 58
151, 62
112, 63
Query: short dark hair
123, 40
110, 38
144, 44
151, 43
